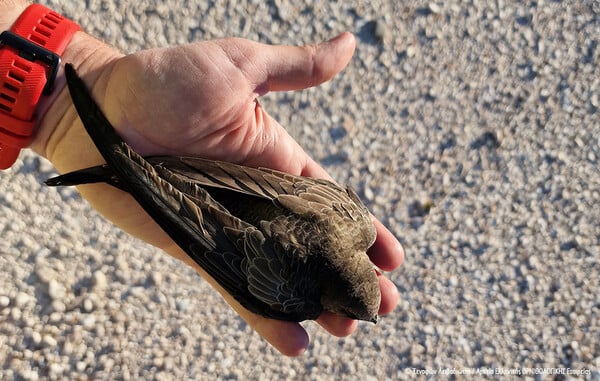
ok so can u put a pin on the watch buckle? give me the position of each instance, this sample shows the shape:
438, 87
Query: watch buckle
33, 52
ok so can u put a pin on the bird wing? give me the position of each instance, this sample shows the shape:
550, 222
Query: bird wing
310, 198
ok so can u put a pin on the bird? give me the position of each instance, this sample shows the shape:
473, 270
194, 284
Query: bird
285, 247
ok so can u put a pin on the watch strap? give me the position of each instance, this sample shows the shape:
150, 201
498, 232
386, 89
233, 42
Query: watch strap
29, 61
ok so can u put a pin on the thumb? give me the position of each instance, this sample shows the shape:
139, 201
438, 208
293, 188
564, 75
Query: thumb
298, 67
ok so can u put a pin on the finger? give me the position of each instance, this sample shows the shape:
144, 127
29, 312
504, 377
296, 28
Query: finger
287, 337
337, 325
284, 154
386, 253
389, 295
313, 169
283, 68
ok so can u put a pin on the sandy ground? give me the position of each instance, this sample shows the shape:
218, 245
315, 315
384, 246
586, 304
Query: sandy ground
471, 130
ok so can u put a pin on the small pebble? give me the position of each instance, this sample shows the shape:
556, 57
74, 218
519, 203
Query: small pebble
80, 366
156, 279
183, 305
88, 305
30, 375
49, 341
380, 30
22, 299
4, 301
15, 314
58, 306
36, 337
99, 281
89, 321
56, 290
55, 370
434, 8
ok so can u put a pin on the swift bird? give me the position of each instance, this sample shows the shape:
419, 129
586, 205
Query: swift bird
285, 247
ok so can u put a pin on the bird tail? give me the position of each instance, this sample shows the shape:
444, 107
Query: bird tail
92, 175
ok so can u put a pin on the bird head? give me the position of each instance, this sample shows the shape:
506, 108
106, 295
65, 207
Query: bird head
352, 290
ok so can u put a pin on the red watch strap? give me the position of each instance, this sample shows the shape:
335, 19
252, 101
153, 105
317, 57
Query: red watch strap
25, 73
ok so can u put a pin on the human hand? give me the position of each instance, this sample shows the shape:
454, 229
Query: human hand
201, 100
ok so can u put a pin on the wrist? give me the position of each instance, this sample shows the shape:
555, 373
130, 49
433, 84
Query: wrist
54, 121
83, 51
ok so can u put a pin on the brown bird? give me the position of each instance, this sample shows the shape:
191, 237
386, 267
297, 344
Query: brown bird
285, 247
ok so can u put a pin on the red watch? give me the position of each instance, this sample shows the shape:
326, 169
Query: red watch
29, 62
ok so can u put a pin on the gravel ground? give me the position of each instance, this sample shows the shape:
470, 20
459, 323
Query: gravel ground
472, 131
